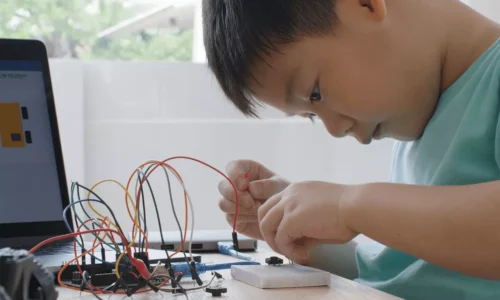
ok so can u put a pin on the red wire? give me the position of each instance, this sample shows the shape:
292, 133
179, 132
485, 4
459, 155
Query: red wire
222, 174
96, 289
71, 235
207, 165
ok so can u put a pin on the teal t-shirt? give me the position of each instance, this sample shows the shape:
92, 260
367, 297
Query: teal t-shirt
460, 146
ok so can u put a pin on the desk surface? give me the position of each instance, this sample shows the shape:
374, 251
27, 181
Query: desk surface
339, 289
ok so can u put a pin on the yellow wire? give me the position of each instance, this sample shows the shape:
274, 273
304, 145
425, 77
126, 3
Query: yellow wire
117, 265
135, 220
129, 197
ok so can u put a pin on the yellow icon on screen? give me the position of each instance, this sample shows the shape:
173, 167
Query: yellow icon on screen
12, 134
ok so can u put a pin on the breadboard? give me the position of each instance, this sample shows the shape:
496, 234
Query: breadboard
284, 276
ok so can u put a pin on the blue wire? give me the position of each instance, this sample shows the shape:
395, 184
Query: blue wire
71, 230
85, 212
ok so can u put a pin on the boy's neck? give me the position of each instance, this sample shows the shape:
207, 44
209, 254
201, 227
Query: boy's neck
469, 36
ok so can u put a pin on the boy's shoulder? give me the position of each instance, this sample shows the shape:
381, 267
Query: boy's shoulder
463, 133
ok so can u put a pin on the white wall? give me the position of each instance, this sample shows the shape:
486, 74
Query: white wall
117, 115
489, 8
142, 111
67, 78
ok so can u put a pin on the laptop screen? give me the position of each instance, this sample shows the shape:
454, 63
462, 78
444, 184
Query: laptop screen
29, 182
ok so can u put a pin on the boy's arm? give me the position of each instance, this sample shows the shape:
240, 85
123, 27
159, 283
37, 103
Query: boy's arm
455, 227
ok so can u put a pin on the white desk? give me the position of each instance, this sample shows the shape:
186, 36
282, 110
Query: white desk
339, 289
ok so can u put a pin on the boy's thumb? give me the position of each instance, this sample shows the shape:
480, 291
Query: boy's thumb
266, 188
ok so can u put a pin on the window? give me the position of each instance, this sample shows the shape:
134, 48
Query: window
104, 29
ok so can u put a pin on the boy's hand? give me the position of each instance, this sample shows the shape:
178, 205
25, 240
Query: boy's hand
253, 190
304, 215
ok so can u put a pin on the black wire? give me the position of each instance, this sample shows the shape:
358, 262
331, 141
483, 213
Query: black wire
75, 218
109, 208
175, 213
144, 212
189, 289
139, 212
146, 174
183, 290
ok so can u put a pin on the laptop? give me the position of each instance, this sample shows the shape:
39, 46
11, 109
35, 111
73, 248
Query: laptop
203, 240
33, 185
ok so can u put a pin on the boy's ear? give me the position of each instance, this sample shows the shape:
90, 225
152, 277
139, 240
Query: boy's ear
378, 8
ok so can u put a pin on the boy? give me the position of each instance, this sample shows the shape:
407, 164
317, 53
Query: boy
424, 72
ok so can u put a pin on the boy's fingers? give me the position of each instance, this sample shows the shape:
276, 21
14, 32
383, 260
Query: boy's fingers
292, 242
268, 205
241, 172
229, 207
249, 229
266, 188
227, 191
243, 218
270, 216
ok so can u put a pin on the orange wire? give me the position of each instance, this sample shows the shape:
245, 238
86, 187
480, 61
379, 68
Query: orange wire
158, 163
236, 197
59, 279
96, 289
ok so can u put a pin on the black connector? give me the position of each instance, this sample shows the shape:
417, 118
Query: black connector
120, 283
103, 254
217, 275
179, 278
92, 265
274, 261
194, 274
216, 291
144, 257
171, 274
236, 246
84, 260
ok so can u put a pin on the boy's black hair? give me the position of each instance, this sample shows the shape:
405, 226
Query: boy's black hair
237, 33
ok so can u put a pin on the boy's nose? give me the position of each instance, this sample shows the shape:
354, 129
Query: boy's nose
338, 126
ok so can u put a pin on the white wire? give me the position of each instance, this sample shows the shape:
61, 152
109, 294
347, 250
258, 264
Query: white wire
159, 163
134, 199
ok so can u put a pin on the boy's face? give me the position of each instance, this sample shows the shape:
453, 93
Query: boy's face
371, 79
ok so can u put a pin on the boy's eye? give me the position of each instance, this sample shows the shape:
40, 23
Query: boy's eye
315, 94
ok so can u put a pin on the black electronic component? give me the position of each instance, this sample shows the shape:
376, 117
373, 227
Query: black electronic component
103, 279
274, 261
77, 278
22, 277
216, 291
235, 241
67, 274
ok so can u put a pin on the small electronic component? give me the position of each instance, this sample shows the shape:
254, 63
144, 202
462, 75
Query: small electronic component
216, 291
77, 278
274, 261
